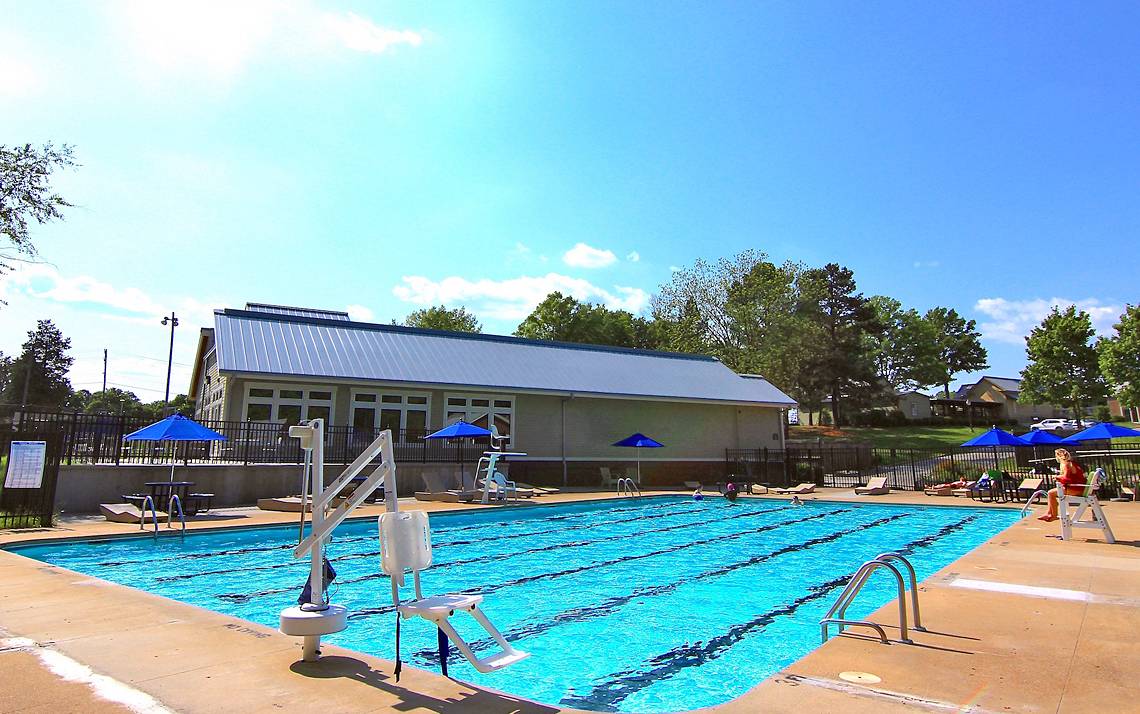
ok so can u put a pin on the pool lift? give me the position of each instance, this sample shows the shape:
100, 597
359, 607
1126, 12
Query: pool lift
405, 544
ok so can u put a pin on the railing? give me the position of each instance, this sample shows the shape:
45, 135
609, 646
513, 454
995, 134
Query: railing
98, 439
837, 615
627, 487
848, 465
176, 501
153, 513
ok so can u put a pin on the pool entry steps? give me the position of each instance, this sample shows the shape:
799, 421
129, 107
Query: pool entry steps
405, 544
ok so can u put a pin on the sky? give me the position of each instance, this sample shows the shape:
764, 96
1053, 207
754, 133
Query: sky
382, 157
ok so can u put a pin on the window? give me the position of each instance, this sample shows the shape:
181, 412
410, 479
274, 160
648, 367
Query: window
485, 411
406, 414
289, 405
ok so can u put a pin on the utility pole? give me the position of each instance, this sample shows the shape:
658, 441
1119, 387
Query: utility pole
171, 320
104, 369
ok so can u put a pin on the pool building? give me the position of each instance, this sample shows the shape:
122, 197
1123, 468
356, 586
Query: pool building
563, 404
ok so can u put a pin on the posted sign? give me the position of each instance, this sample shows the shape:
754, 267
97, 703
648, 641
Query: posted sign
26, 464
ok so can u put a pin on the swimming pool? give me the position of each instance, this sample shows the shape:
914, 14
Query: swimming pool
651, 605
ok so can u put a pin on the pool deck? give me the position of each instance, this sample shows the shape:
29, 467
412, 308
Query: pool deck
1023, 623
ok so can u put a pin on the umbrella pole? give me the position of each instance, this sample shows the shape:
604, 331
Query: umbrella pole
639, 467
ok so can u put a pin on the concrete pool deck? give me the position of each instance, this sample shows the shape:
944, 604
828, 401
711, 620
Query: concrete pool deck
1025, 622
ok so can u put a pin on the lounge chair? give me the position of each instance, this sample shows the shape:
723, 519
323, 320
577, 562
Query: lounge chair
875, 487
124, 513
964, 490
695, 485
798, 489
440, 488
1028, 487
942, 489
608, 479
285, 504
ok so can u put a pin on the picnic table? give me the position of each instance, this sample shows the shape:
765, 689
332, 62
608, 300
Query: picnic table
161, 492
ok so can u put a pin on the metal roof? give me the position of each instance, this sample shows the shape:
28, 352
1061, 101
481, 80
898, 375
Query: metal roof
296, 311
1006, 384
278, 344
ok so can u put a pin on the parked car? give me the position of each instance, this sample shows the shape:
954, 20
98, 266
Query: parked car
1051, 425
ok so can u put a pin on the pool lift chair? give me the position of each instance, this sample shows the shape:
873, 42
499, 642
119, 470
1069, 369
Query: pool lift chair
316, 617
1085, 502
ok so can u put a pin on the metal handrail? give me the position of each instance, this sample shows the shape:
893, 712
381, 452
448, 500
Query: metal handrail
913, 585
837, 614
1029, 501
153, 512
176, 501
626, 486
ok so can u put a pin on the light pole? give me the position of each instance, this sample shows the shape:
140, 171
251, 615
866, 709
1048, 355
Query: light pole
171, 320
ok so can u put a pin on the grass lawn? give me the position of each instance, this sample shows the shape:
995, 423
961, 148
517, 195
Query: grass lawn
897, 437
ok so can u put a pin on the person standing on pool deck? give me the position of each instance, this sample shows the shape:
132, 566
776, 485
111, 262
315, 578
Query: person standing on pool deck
1072, 479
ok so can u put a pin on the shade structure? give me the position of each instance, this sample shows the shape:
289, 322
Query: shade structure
995, 437
1040, 437
175, 427
639, 441
1103, 430
459, 430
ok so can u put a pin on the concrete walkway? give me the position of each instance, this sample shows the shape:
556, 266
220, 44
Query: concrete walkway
1025, 623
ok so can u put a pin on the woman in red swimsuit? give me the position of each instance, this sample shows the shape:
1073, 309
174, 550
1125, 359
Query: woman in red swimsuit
1072, 479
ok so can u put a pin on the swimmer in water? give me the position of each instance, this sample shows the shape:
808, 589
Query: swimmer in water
796, 501
697, 495
731, 492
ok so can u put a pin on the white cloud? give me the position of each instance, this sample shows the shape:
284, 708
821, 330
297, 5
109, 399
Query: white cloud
927, 263
361, 34
633, 256
360, 313
675, 268
222, 37
1011, 320
584, 256
514, 298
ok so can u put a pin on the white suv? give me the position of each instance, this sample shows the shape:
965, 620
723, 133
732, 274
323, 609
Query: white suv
1049, 425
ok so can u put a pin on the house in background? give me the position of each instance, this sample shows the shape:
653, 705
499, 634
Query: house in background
1006, 392
915, 406
1116, 409
563, 404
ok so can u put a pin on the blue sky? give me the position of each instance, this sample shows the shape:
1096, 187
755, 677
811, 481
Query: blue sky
380, 157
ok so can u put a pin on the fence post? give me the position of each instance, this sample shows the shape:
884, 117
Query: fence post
118, 438
245, 442
914, 471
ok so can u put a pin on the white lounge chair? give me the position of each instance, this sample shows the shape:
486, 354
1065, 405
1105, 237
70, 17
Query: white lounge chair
875, 487
1085, 502
798, 489
608, 479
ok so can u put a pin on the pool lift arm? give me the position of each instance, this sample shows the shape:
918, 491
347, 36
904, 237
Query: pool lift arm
317, 617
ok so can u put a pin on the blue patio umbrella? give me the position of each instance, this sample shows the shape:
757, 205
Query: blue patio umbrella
639, 441
1103, 430
995, 437
459, 430
175, 427
1039, 437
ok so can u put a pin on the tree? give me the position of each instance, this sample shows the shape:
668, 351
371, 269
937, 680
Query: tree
39, 375
114, 401
25, 193
1120, 357
838, 353
562, 318
1063, 363
680, 330
441, 318
767, 325
959, 347
5, 372
179, 404
904, 348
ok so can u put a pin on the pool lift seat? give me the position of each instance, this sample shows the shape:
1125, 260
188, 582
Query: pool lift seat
405, 544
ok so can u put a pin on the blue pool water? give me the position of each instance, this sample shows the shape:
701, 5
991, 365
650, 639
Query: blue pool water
650, 605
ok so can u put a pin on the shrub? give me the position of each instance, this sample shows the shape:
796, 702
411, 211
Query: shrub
1101, 413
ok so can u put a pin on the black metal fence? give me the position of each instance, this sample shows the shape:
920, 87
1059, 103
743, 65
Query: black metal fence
851, 465
98, 439
22, 504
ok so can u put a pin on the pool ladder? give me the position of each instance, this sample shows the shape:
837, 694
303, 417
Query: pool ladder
176, 501
153, 514
837, 614
627, 487
1029, 501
